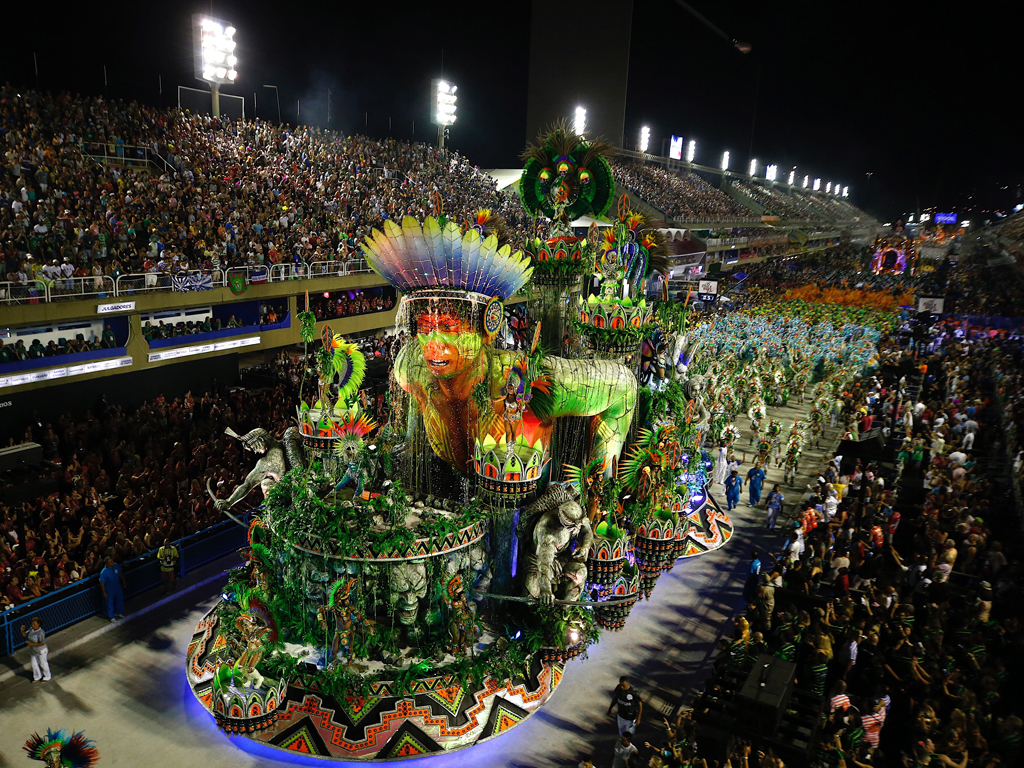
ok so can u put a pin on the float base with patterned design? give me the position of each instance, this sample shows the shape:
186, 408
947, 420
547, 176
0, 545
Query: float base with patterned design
438, 715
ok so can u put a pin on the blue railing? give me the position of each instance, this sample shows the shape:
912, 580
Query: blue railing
78, 601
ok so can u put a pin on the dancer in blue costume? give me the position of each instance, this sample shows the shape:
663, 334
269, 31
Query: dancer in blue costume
755, 479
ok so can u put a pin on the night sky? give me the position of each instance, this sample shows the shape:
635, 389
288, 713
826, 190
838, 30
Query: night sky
925, 96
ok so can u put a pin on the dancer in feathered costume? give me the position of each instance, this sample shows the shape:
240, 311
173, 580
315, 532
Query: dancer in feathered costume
792, 460
756, 413
817, 424
61, 749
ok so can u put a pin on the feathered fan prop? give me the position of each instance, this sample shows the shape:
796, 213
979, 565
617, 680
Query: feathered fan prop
411, 256
58, 748
577, 476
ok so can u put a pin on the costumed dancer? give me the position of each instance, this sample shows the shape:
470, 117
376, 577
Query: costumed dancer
346, 619
722, 464
792, 462
59, 749
462, 626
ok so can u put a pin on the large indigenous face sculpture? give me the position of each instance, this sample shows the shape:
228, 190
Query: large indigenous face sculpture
449, 342
484, 408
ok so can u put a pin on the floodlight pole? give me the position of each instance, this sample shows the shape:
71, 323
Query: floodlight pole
277, 93
440, 137
215, 98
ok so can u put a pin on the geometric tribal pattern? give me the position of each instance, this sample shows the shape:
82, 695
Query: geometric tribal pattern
426, 547
504, 715
434, 721
408, 741
710, 528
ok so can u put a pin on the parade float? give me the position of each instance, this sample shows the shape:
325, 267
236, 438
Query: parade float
417, 586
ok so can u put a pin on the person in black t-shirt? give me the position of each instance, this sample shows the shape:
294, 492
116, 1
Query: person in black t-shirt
630, 707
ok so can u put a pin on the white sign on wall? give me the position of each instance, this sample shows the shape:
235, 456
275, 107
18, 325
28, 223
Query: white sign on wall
121, 306
930, 304
707, 286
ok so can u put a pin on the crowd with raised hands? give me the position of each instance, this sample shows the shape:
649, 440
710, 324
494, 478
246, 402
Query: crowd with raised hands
897, 592
228, 193
127, 478
677, 195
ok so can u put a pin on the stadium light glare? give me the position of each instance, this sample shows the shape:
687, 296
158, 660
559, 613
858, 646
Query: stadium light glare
691, 151
579, 121
645, 138
828, 187
835, 187
753, 167
846, 191
806, 180
444, 114
215, 60
792, 176
817, 184
925, 217
771, 172
725, 160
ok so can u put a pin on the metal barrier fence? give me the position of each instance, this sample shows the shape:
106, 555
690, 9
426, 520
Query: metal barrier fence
72, 288
128, 155
83, 599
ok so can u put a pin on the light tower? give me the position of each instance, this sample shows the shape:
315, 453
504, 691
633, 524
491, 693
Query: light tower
579, 121
214, 55
444, 108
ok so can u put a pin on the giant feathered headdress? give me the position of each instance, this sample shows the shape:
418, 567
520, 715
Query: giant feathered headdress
412, 257
70, 751
566, 175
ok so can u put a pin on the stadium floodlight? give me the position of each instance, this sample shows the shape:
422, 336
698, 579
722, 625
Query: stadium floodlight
444, 108
925, 217
771, 172
579, 121
753, 167
835, 187
725, 160
828, 187
965, 224
806, 180
214, 55
846, 191
817, 184
792, 175
691, 150
645, 138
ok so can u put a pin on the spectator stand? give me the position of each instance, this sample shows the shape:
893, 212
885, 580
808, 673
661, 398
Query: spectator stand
64, 344
82, 599
203, 324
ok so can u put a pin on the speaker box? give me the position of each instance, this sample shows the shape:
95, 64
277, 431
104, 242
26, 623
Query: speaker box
765, 694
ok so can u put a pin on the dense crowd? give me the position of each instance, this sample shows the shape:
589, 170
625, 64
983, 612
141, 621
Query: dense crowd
908, 629
678, 196
233, 193
775, 202
843, 266
127, 478
164, 330
348, 303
